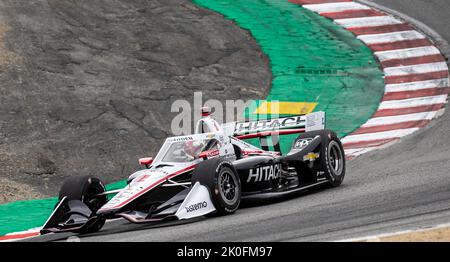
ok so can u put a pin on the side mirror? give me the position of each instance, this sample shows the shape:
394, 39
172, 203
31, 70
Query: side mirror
208, 154
147, 161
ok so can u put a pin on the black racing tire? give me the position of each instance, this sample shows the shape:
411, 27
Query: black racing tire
332, 155
85, 189
223, 183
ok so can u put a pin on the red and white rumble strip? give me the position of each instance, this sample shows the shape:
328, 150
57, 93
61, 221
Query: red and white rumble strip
416, 73
20, 235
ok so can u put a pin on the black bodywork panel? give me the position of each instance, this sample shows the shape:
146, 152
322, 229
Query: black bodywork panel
266, 173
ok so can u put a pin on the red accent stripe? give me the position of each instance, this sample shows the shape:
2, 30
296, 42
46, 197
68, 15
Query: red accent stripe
400, 45
372, 143
415, 93
269, 133
415, 77
352, 14
153, 185
384, 128
382, 29
409, 110
306, 2
19, 236
413, 61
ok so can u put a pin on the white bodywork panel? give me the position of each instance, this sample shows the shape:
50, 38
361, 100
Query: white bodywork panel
197, 203
315, 121
145, 180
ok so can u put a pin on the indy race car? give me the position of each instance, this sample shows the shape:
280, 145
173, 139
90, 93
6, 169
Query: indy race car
207, 173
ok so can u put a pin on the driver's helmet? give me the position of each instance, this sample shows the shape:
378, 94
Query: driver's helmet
193, 148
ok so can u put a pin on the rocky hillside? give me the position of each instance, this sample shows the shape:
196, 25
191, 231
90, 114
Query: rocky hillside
86, 86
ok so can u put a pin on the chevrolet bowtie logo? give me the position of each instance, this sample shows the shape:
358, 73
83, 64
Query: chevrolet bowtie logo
310, 157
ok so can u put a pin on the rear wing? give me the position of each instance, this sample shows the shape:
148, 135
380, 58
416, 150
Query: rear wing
274, 127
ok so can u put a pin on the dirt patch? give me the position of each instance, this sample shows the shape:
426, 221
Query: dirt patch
439, 234
13, 191
7, 57
435, 235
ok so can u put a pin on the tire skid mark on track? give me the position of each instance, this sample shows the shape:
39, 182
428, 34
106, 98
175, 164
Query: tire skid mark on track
416, 74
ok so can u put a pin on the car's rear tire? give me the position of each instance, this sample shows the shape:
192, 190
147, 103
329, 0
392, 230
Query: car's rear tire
223, 182
332, 156
86, 189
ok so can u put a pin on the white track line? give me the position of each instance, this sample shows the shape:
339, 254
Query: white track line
407, 53
413, 102
367, 21
415, 69
378, 136
391, 37
388, 120
336, 7
413, 86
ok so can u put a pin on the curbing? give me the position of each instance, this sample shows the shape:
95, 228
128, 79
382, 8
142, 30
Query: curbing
416, 72
439, 41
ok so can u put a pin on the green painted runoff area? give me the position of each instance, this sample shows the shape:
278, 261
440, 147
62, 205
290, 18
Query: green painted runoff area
312, 60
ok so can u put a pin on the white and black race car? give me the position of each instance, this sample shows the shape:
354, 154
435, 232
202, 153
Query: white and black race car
209, 172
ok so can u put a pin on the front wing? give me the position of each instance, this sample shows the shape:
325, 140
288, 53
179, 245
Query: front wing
74, 215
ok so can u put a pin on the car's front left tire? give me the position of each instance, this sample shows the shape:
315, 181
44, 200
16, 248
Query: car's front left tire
223, 182
86, 189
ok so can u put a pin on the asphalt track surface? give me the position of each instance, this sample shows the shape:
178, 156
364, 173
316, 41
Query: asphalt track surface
406, 186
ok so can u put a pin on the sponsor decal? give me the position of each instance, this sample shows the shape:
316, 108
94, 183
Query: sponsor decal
302, 143
264, 173
209, 154
311, 157
195, 207
159, 170
179, 139
267, 125
253, 152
